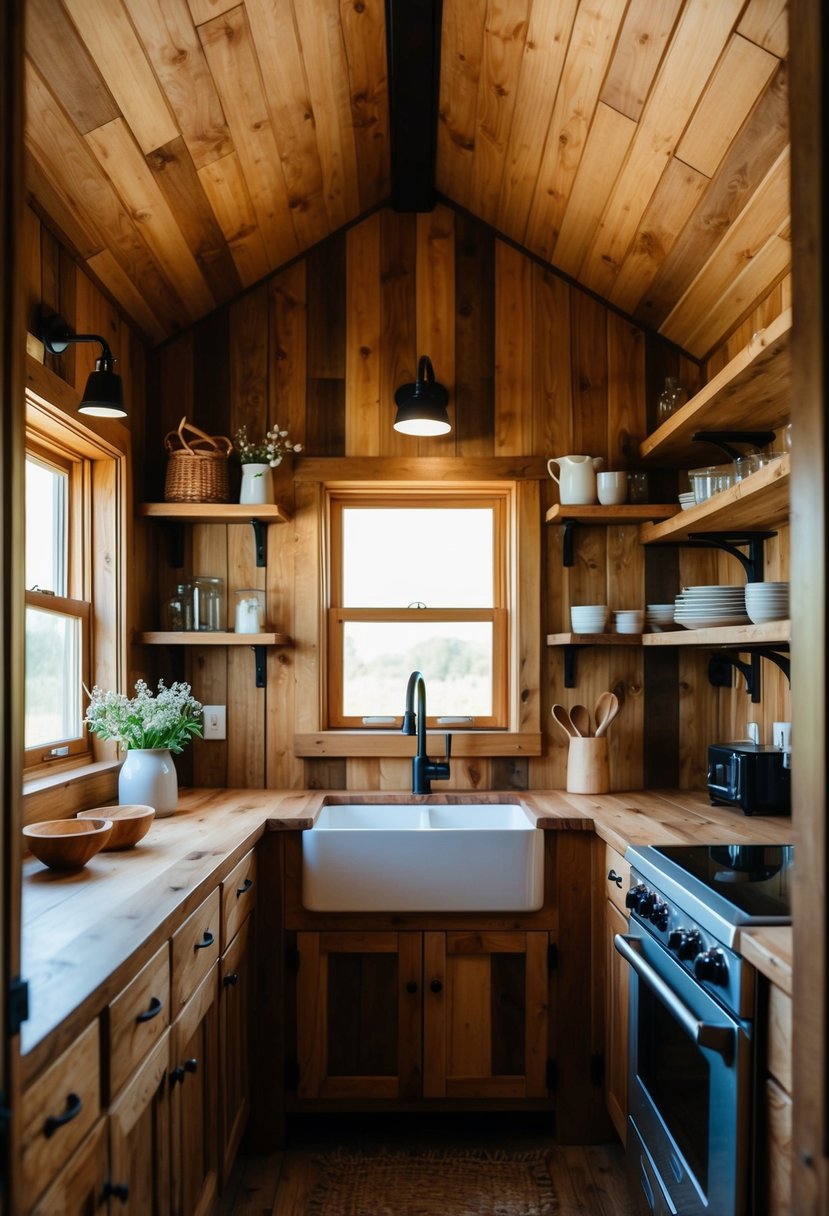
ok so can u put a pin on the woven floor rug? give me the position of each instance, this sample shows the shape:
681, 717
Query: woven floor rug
457, 1183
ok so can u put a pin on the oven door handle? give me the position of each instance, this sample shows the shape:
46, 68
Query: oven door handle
718, 1038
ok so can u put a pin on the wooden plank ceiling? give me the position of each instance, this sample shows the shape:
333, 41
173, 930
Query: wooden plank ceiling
185, 149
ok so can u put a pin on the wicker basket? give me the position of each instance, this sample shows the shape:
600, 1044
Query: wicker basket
196, 470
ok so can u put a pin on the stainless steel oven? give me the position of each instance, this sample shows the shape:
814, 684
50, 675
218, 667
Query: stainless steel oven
693, 1022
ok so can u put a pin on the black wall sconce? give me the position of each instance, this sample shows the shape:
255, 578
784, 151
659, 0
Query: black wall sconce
421, 407
104, 393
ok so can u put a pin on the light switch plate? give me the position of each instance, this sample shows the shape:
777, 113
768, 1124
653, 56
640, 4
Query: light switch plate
215, 721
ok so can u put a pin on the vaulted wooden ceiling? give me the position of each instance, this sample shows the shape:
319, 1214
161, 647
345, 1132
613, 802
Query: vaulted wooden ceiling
187, 148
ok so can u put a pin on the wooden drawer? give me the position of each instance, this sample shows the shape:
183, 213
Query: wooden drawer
80, 1186
615, 867
195, 950
239, 893
780, 1036
58, 1112
138, 1018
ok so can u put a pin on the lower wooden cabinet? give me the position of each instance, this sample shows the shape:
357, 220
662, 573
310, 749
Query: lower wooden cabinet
408, 1015
82, 1184
777, 1185
235, 1029
193, 1083
139, 1138
611, 884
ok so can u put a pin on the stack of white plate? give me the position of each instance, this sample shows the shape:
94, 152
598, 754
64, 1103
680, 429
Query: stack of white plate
767, 602
687, 500
710, 607
588, 618
659, 617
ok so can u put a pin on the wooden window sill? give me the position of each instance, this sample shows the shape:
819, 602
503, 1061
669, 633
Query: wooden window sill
370, 743
59, 794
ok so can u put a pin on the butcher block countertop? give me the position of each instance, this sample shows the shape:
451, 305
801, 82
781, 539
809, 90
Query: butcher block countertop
84, 934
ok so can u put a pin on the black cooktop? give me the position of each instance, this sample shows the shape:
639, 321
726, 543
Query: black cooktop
756, 879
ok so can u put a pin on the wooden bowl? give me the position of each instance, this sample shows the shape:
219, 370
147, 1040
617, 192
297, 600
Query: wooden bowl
67, 844
130, 823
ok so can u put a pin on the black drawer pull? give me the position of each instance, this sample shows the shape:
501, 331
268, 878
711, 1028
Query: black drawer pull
74, 1105
152, 1011
612, 876
207, 940
436, 986
230, 981
411, 987
117, 1190
245, 887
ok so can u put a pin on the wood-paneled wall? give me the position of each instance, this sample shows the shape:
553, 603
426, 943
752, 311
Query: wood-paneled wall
534, 367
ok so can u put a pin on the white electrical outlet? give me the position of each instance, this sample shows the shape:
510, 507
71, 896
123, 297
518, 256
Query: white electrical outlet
215, 721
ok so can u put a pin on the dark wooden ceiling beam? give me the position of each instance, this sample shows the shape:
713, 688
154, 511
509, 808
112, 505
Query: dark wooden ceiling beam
413, 48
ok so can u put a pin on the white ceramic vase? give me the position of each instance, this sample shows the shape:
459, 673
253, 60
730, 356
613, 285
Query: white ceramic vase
257, 484
148, 777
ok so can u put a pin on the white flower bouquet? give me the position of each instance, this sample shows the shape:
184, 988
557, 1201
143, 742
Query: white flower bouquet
269, 450
169, 720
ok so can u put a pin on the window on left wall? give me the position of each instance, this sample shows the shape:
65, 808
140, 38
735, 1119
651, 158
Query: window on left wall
74, 590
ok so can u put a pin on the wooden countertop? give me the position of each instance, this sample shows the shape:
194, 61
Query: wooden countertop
81, 933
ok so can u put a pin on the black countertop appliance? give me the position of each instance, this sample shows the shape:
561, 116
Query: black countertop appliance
752, 776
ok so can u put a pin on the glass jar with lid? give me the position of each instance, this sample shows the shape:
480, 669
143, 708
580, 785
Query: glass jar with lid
250, 610
207, 603
673, 395
178, 609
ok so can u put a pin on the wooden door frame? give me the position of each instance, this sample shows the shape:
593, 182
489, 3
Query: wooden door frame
810, 1176
11, 581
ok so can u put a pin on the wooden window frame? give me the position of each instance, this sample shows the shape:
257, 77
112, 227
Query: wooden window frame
98, 455
339, 615
314, 479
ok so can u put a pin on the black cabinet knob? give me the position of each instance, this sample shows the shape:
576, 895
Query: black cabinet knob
207, 940
411, 987
152, 1011
612, 876
230, 981
436, 986
116, 1190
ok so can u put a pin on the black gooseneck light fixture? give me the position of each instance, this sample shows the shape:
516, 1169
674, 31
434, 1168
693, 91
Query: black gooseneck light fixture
104, 394
421, 407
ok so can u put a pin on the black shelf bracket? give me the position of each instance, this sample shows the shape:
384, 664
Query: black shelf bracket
570, 652
724, 439
567, 542
752, 562
259, 663
259, 531
720, 664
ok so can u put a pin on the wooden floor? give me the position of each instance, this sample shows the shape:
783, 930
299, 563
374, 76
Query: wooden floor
589, 1181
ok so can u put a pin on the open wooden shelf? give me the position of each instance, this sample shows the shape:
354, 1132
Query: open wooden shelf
768, 634
594, 639
215, 512
758, 503
624, 513
752, 392
181, 637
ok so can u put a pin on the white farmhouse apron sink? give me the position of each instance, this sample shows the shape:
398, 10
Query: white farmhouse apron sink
475, 857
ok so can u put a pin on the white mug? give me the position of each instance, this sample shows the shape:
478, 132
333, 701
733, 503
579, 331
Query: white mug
612, 488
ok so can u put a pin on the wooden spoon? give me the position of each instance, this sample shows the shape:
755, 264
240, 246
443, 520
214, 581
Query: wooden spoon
580, 717
562, 716
607, 707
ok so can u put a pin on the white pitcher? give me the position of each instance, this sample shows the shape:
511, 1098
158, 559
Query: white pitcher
577, 478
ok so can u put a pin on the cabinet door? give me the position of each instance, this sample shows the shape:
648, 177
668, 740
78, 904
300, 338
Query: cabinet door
80, 1188
235, 982
139, 1138
486, 1015
193, 1102
616, 1021
358, 1015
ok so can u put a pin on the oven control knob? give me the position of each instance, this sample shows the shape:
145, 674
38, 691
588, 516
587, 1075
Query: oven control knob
711, 966
646, 903
632, 897
659, 913
686, 943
